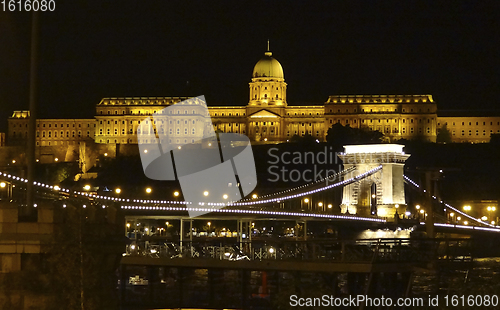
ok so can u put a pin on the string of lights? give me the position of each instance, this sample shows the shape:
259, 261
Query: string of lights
467, 227
330, 177
447, 205
247, 203
345, 182
254, 212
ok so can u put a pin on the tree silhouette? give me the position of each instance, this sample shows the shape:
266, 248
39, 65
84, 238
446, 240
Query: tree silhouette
339, 135
443, 135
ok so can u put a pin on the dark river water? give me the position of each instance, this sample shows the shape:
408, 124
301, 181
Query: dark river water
223, 289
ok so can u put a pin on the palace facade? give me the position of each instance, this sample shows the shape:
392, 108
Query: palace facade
266, 118
396, 116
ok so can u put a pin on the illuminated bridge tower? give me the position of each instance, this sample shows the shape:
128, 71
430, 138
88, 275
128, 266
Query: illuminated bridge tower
381, 193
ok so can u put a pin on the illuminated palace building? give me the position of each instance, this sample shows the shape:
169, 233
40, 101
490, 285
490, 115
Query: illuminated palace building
267, 118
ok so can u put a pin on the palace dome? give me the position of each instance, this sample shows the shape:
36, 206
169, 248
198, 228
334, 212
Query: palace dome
268, 67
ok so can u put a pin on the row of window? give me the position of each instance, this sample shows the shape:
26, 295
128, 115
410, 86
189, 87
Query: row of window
50, 134
303, 132
404, 121
154, 122
266, 124
265, 88
470, 123
151, 112
49, 125
304, 114
265, 97
355, 110
477, 132
159, 131
228, 114
177, 141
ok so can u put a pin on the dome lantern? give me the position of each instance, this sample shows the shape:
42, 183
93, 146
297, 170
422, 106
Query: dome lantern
268, 66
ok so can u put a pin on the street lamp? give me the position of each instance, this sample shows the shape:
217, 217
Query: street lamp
467, 208
3, 185
320, 204
254, 196
118, 190
209, 224
149, 190
306, 201
176, 194
86, 187
491, 209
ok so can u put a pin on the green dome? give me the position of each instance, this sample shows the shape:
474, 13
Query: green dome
268, 67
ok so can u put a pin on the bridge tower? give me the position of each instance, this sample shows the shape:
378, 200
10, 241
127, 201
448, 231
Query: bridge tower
381, 193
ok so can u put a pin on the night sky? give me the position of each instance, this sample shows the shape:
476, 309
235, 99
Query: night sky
95, 49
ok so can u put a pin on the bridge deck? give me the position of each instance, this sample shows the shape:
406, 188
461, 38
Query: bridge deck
268, 265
